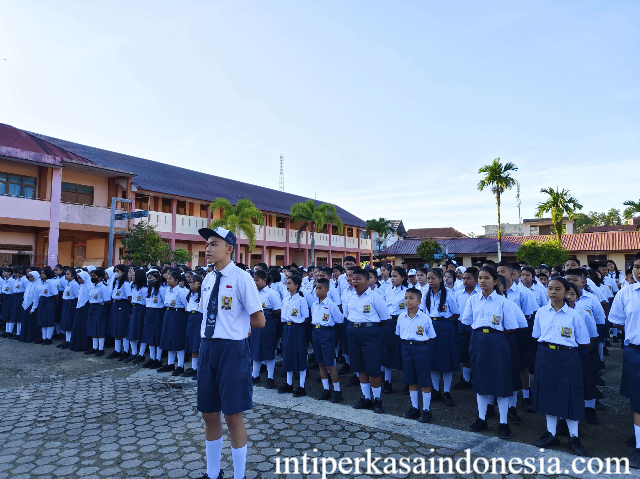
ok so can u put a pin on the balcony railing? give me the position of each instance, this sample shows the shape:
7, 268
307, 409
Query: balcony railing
365, 243
259, 233
161, 221
352, 243
293, 237
322, 239
19, 208
276, 234
189, 224
88, 215
337, 241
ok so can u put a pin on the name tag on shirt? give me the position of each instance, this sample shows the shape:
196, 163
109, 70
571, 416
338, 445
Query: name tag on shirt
366, 308
420, 330
226, 302
496, 320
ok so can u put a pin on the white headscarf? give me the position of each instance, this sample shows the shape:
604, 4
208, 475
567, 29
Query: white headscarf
111, 279
83, 293
28, 293
462, 269
91, 268
36, 289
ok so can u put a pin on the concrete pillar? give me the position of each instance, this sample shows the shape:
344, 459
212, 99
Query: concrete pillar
174, 211
306, 257
264, 255
190, 248
286, 253
54, 219
358, 258
329, 261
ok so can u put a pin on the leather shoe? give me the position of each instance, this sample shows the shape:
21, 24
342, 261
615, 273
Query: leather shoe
448, 400
336, 397
576, 445
547, 440
377, 406
426, 416
362, 403
412, 413
479, 425
325, 395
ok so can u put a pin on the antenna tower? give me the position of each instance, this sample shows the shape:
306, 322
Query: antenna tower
518, 202
281, 187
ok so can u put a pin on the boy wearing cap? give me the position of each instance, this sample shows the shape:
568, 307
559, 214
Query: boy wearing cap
231, 308
412, 278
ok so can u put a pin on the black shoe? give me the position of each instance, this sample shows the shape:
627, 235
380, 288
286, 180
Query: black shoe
605, 351
178, 371
325, 395
113, 355
341, 360
602, 365
16, 337
547, 440
576, 445
590, 416
285, 388
634, 459
100, 353
354, 381
47, 342
479, 425
599, 405
607, 343
336, 397
406, 390
38, 341
462, 384
425, 416
436, 396
363, 403
319, 380
513, 416
387, 388
58, 346
491, 411
614, 340
148, 364
311, 358
124, 356
345, 369
138, 359
129, 359
504, 432
448, 400
271, 384
526, 405
156, 364
299, 392
65, 345
255, 380
205, 476
4, 335
189, 372
377, 406
313, 366
412, 413
166, 368
91, 351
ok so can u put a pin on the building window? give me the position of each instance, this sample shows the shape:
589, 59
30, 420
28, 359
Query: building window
280, 222
142, 202
181, 207
596, 258
166, 205
17, 185
478, 259
203, 210
77, 194
350, 232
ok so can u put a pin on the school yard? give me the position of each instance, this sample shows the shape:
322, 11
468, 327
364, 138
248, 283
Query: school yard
66, 415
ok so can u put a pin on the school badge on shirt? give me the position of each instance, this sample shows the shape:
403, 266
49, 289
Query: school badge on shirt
401, 306
420, 330
173, 303
263, 306
46, 291
117, 292
68, 293
138, 298
565, 332
496, 320
325, 317
366, 308
155, 300
294, 312
226, 303
444, 308
95, 296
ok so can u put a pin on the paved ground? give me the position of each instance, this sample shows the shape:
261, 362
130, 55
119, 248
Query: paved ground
66, 415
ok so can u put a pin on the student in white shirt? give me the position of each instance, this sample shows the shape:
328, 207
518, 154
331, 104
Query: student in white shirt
391, 344
469, 288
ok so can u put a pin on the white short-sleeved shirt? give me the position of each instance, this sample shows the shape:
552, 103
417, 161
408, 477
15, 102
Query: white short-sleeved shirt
176, 297
520, 318
564, 327
120, 292
523, 298
237, 301
384, 285
610, 283
20, 285
540, 295
625, 310
462, 296
295, 308
325, 313
7, 286
594, 290
155, 301
491, 312
49, 288
588, 321
418, 328
138, 296
394, 298
588, 302
333, 294
98, 293
62, 283
369, 307
450, 305
605, 292
193, 304
270, 299
71, 290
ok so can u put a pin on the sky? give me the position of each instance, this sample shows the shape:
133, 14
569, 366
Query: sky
383, 108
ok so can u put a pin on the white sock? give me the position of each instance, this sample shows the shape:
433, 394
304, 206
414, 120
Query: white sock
636, 430
513, 399
10, 327
49, 332
325, 384
590, 403
303, 376
118, 345
158, 353
194, 364
552, 424
426, 401
125, 345
601, 351
573, 427
239, 457
447, 378
256, 369
271, 367
95, 343
336, 386
366, 390
525, 393
180, 355
6, 327
171, 358
435, 379
358, 375
67, 334
414, 398
101, 344
387, 374
346, 359
19, 329
466, 373
376, 392
214, 451
152, 352
134, 348
503, 408
482, 406
290, 378
143, 348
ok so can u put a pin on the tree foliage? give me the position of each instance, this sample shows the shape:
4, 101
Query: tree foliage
559, 204
143, 245
382, 227
428, 249
535, 253
181, 256
632, 209
240, 217
593, 218
314, 216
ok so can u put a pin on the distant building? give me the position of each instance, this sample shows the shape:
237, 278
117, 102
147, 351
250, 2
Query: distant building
608, 228
435, 233
399, 233
530, 227
508, 229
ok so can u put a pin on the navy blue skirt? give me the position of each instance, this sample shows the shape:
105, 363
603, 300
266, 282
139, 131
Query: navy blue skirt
464, 336
7, 307
68, 313
391, 345
558, 388
532, 345
194, 323
294, 347
119, 318
59, 307
97, 320
47, 311
630, 386
152, 326
444, 348
16, 312
174, 330
29, 331
345, 336
136, 322
79, 339
590, 362
490, 363
516, 381
262, 342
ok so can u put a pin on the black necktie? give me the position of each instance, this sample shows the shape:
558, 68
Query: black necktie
212, 309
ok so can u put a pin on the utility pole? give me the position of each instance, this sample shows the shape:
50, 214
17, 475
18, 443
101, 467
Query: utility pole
281, 187
112, 224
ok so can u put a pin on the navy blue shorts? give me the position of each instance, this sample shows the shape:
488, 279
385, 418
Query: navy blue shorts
365, 349
323, 340
345, 337
224, 376
416, 363
630, 386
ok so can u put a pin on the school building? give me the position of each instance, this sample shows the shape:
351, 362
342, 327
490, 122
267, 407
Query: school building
619, 246
55, 205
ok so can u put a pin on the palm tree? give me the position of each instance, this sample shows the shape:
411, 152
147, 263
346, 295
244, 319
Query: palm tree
497, 177
314, 216
240, 217
559, 204
633, 208
382, 227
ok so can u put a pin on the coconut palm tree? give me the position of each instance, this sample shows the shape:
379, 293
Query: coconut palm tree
240, 217
382, 227
497, 177
559, 204
315, 217
633, 208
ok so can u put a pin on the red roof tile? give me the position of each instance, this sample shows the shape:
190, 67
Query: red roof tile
610, 241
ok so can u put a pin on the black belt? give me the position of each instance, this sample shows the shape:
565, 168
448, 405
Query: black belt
175, 309
488, 330
556, 346
318, 326
634, 346
118, 300
364, 325
291, 323
414, 342
441, 318
394, 316
194, 312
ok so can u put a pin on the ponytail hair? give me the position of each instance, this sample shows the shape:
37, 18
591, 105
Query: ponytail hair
403, 273
124, 271
297, 280
442, 291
